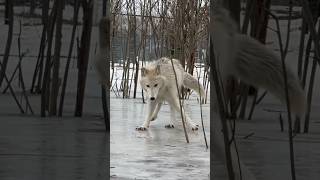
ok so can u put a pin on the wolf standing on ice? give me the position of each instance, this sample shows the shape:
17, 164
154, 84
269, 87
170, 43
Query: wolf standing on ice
245, 58
159, 82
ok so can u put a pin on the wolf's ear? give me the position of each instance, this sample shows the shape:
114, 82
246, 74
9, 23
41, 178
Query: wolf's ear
144, 71
158, 69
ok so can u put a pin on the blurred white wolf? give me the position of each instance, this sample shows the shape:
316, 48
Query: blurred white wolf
245, 58
159, 83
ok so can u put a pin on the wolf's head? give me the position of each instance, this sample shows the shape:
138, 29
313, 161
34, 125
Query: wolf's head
152, 81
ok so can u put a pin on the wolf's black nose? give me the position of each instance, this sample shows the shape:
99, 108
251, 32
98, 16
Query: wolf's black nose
152, 98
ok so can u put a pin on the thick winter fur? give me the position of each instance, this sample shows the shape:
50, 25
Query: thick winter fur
159, 84
252, 62
245, 58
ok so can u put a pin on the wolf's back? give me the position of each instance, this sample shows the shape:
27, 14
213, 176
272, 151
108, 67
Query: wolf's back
183, 78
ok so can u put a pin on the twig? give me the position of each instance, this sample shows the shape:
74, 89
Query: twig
204, 132
283, 52
180, 104
315, 37
28, 106
222, 113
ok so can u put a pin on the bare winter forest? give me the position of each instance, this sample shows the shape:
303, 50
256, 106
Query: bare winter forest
60, 121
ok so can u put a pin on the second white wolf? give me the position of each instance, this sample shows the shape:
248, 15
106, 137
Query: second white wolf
159, 81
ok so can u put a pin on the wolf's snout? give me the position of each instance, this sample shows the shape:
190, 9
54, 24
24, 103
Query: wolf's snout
152, 98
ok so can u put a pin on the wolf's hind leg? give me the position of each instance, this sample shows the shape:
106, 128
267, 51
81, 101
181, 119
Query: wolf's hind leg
186, 118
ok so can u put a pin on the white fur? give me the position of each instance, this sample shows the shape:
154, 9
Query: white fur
159, 82
247, 59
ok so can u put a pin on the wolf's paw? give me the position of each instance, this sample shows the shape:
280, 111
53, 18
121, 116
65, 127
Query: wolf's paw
153, 118
195, 127
169, 126
141, 128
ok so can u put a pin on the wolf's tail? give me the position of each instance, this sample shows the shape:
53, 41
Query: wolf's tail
252, 62
191, 82
101, 58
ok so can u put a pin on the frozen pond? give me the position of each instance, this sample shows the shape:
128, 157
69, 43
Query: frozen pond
158, 153
34, 148
162, 153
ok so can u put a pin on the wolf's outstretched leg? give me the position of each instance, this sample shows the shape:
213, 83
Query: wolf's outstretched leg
151, 109
156, 111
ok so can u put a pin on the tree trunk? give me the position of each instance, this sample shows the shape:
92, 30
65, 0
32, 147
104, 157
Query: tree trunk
56, 60
45, 10
84, 54
45, 90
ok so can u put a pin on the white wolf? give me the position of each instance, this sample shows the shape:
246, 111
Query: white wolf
159, 82
247, 59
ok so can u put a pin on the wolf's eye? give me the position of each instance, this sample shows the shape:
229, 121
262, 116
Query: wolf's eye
148, 86
155, 85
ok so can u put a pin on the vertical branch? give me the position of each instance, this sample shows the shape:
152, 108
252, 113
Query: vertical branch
216, 91
28, 106
315, 37
84, 54
45, 89
135, 51
301, 46
283, 51
180, 104
105, 90
71, 46
201, 101
39, 65
222, 113
9, 10
56, 60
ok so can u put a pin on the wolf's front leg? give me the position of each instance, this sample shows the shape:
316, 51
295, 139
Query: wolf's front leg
156, 111
151, 107
170, 123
